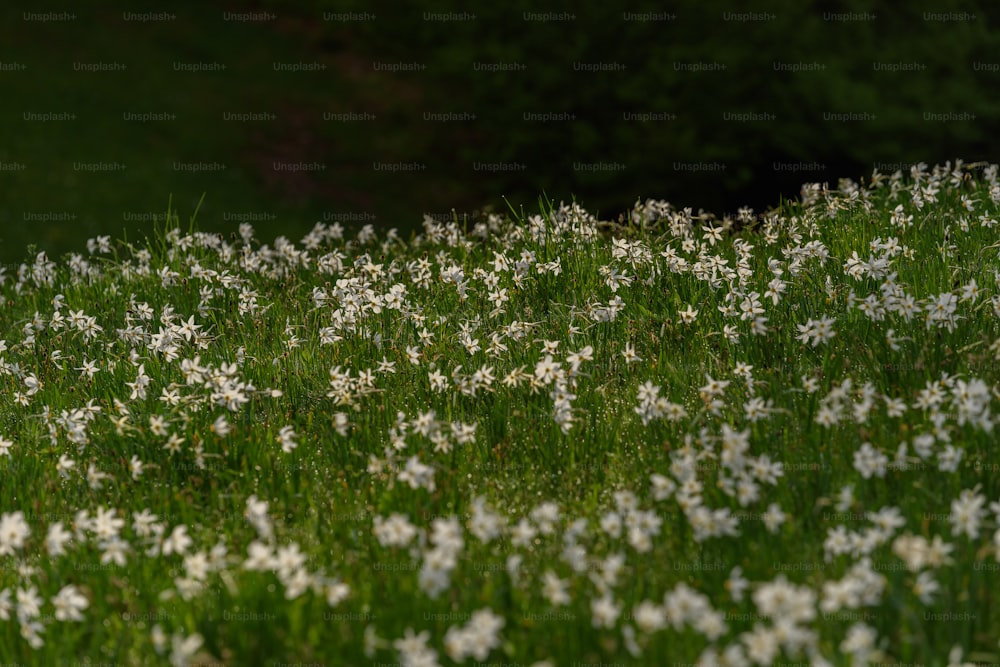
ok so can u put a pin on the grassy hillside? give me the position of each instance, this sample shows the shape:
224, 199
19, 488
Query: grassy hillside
540, 440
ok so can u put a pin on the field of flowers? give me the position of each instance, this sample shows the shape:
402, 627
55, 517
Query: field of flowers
536, 440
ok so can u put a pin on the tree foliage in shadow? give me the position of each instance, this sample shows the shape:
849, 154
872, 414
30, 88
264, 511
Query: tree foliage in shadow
747, 66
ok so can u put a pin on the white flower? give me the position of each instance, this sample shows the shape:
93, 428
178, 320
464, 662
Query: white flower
183, 648
611, 523
485, 524
967, 513
955, 658
14, 531
105, 525
221, 427
56, 539
649, 616
289, 559
413, 649
605, 612
949, 458
629, 354
554, 589
774, 517
925, 587
859, 642
178, 541
545, 516
736, 584
869, 462
336, 592
396, 531
260, 557
522, 533
64, 466
33, 384
761, 644
135, 465
287, 439
663, 486
114, 551
69, 603
417, 474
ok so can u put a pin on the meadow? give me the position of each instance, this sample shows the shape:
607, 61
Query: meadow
542, 439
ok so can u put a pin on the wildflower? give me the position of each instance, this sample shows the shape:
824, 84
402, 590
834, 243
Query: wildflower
775, 289
260, 557
178, 542
649, 617
736, 584
174, 443
396, 531
56, 539
967, 513
773, 518
33, 384
114, 550
522, 533
949, 458
970, 291
756, 409
413, 650
139, 386
611, 523
157, 425
483, 523
341, 424
169, 396
105, 525
14, 531
5, 605
546, 370
69, 603
545, 516
554, 589
426, 423
629, 354
438, 381
89, 369
761, 643
143, 522
288, 559
605, 612
689, 315
955, 658
287, 439
5, 446
256, 514
95, 478
663, 486
859, 642
220, 426
373, 642
184, 648
417, 475
336, 592
925, 587
713, 388
869, 462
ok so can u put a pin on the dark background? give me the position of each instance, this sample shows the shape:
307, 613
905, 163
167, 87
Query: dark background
285, 113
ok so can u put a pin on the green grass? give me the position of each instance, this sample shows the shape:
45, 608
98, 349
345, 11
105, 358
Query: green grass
278, 324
